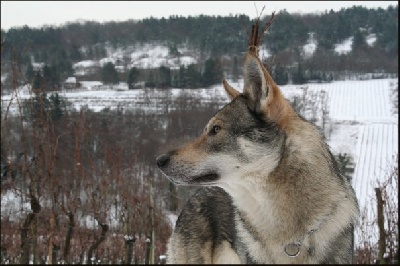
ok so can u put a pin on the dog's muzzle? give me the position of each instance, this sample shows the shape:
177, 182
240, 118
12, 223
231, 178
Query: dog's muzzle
179, 174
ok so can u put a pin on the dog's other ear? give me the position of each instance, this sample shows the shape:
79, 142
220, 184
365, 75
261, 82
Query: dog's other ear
256, 87
232, 93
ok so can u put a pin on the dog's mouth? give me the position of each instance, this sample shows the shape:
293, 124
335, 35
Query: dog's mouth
207, 178
203, 179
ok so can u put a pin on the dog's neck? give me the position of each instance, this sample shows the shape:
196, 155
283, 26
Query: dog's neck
254, 204
262, 221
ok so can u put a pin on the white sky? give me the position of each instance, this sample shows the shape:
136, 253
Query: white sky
56, 13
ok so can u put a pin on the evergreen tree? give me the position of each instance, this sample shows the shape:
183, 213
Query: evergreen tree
173, 50
30, 73
50, 78
65, 69
109, 74
47, 77
298, 75
192, 77
133, 76
99, 51
212, 72
359, 41
37, 81
179, 79
38, 109
44, 107
165, 77
75, 55
235, 69
56, 103
150, 82
90, 53
281, 76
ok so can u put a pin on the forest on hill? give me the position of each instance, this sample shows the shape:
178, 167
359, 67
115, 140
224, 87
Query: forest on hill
373, 34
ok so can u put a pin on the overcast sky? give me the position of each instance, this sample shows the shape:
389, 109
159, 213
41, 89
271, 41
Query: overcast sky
56, 13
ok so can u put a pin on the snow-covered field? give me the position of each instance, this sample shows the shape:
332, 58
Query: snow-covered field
365, 125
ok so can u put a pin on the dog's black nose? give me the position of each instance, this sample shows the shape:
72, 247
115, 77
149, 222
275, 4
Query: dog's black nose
162, 160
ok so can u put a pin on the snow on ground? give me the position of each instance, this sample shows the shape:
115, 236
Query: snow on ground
361, 101
91, 84
264, 52
140, 56
14, 206
371, 39
70, 80
154, 56
4, 77
344, 138
345, 46
184, 60
106, 60
37, 65
376, 150
310, 47
85, 63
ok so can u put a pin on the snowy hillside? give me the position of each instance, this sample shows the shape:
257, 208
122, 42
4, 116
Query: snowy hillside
154, 55
146, 56
150, 56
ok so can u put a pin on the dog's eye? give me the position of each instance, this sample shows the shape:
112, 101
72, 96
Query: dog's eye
215, 129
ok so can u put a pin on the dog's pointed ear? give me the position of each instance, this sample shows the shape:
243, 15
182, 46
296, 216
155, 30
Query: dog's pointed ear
263, 95
232, 93
256, 87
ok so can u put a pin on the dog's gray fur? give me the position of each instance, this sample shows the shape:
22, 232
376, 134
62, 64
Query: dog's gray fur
272, 190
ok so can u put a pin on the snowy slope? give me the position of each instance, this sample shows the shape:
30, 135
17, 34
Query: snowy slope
345, 46
375, 149
140, 56
362, 101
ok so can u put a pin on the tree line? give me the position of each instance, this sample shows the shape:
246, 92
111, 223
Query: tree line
218, 38
214, 34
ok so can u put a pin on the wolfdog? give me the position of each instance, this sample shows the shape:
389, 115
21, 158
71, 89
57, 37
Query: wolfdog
271, 191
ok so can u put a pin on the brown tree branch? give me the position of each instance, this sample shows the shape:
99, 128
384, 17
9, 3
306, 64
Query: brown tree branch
381, 222
68, 238
104, 230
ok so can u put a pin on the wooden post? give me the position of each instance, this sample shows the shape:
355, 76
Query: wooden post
51, 237
129, 241
153, 235
94, 246
148, 247
68, 238
381, 222
26, 239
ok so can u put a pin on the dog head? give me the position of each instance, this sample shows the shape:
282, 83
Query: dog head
241, 141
